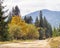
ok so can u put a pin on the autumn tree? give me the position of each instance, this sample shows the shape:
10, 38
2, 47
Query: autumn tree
21, 30
32, 32
14, 12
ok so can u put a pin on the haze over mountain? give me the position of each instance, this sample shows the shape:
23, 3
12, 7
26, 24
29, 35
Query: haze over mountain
53, 17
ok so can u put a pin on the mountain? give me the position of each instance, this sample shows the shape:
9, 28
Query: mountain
53, 17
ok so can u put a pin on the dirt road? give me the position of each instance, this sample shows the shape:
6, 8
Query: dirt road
34, 44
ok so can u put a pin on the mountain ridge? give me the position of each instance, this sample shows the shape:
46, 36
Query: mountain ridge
53, 17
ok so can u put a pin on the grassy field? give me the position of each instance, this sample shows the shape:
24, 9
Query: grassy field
55, 42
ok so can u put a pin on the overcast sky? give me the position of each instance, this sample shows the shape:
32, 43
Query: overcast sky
28, 6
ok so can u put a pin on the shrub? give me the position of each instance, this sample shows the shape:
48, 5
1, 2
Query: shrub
32, 32
21, 30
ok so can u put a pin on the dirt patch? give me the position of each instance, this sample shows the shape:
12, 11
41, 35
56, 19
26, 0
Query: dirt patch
32, 44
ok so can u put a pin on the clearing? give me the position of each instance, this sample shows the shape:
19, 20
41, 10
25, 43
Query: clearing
26, 44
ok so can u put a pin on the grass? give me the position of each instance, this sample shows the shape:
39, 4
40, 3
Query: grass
55, 42
15, 41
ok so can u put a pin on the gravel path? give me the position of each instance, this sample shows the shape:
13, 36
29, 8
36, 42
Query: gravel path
34, 44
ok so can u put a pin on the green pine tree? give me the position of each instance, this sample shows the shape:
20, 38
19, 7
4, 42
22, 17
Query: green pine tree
37, 22
4, 35
48, 28
41, 25
41, 19
28, 19
55, 32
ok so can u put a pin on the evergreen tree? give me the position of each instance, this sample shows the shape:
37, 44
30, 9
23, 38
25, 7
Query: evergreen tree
37, 22
17, 11
28, 19
45, 28
25, 19
41, 25
45, 22
4, 35
58, 31
9, 16
55, 32
48, 28
59, 28
49, 31
12, 13
41, 19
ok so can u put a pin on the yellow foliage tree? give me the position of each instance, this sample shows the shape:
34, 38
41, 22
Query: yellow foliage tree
18, 22
21, 30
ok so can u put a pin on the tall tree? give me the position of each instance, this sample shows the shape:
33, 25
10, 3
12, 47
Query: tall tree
12, 12
25, 19
45, 22
28, 19
37, 22
48, 28
3, 25
17, 11
45, 27
9, 16
58, 30
55, 32
41, 25
41, 19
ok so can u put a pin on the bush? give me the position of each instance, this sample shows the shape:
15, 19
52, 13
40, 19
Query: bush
21, 30
16, 32
32, 32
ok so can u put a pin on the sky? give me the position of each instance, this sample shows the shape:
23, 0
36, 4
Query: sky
28, 6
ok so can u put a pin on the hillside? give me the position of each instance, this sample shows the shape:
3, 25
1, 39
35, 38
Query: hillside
53, 17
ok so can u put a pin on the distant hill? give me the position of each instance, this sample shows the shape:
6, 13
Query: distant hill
53, 17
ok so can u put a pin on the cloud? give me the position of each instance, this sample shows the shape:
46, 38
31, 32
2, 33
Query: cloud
28, 6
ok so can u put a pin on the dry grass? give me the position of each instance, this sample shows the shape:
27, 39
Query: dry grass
55, 42
16, 41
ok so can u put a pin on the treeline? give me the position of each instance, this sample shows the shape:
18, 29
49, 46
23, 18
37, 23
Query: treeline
17, 28
45, 30
56, 31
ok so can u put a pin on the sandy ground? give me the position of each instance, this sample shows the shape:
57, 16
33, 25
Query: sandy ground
34, 44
